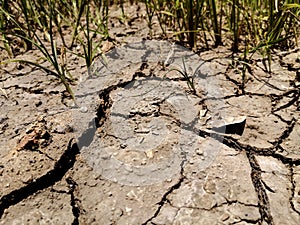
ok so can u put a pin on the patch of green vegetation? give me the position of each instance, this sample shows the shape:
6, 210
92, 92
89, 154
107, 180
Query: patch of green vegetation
41, 24
249, 26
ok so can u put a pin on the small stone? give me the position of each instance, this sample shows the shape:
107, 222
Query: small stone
225, 217
149, 154
131, 195
27, 178
203, 112
38, 103
128, 210
118, 213
83, 109
60, 129
128, 169
41, 118
210, 187
123, 146
19, 66
199, 151
144, 162
2, 119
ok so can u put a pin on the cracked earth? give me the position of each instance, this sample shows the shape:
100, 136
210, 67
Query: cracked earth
178, 166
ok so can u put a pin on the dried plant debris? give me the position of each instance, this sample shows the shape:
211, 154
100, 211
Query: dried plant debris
35, 137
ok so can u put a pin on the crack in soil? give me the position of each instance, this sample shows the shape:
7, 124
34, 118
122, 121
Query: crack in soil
277, 98
263, 200
293, 190
177, 186
248, 221
295, 98
74, 201
259, 185
233, 143
65, 162
164, 198
285, 134
68, 159
281, 118
273, 97
227, 202
30, 90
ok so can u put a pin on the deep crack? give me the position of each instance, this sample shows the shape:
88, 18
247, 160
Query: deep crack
286, 133
294, 99
293, 189
263, 200
74, 201
263, 204
65, 162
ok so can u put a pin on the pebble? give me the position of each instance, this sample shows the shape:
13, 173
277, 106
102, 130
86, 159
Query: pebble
203, 113
118, 213
2, 119
199, 151
128, 210
83, 109
60, 129
225, 217
123, 146
131, 195
149, 154
144, 162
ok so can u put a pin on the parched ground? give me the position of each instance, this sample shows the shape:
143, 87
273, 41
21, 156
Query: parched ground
140, 147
